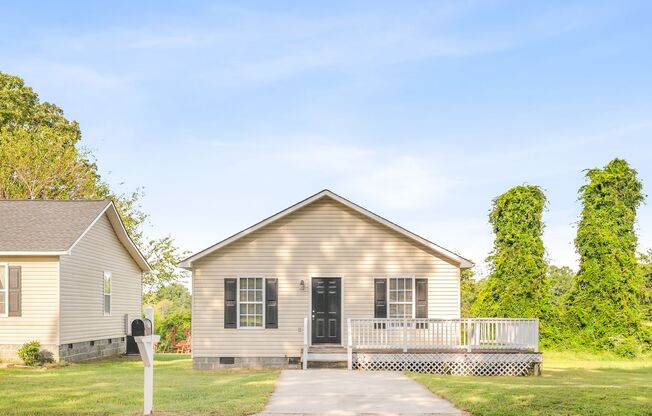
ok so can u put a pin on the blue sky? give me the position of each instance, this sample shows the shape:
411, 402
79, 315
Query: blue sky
422, 112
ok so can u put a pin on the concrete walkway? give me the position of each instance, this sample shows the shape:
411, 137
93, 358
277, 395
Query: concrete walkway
349, 393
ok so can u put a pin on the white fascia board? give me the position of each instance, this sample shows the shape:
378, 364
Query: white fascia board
33, 253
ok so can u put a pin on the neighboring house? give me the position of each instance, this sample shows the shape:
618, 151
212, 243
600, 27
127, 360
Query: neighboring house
326, 259
69, 274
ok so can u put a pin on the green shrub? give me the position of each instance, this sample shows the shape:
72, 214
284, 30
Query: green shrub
628, 347
30, 353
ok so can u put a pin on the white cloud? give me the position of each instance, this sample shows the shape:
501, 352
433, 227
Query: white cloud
384, 178
405, 182
245, 47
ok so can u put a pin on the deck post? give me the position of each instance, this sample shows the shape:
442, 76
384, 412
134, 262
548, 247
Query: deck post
304, 359
536, 335
349, 345
405, 335
469, 334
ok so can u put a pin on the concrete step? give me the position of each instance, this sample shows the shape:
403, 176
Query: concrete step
327, 348
313, 356
327, 364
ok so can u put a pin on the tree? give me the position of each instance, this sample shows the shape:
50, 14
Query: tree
172, 309
645, 268
603, 305
561, 281
40, 158
516, 286
38, 150
469, 288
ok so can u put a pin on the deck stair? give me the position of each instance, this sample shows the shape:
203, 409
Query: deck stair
327, 356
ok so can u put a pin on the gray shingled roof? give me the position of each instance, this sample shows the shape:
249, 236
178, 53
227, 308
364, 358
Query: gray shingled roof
45, 225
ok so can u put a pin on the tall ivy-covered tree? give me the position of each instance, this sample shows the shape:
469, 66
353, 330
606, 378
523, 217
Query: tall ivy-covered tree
516, 286
603, 305
40, 158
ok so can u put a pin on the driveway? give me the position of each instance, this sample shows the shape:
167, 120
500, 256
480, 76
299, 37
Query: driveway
349, 393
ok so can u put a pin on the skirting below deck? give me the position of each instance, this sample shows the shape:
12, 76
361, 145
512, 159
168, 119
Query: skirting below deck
454, 363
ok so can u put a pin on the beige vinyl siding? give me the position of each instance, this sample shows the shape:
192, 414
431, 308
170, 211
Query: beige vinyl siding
324, 239
40, 303
82, 274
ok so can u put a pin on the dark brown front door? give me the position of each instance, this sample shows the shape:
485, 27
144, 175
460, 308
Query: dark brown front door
326, 310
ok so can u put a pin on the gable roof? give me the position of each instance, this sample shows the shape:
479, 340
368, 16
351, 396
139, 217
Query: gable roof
54, 227
464, 263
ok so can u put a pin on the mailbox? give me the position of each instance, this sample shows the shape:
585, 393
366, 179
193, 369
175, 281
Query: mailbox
139, 327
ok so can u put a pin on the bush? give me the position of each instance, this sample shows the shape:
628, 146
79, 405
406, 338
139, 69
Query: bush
30, 353
628, 347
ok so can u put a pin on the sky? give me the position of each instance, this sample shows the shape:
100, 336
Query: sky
422, 112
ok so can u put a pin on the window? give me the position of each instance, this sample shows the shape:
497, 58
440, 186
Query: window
401, 298
4, 295
250, 304
107, 293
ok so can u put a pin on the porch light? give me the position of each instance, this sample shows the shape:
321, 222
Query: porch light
302, 285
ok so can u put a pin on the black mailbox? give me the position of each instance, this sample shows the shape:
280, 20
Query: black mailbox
141, 327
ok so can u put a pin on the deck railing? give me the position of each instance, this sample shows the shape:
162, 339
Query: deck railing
464, 335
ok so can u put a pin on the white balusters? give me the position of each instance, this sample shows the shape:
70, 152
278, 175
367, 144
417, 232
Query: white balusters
477, 334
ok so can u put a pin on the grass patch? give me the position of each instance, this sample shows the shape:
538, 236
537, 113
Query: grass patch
571, 384
116, 387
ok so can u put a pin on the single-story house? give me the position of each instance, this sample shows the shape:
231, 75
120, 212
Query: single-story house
69, 275
325, 259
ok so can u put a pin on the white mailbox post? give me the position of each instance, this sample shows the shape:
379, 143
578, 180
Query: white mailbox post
146, 348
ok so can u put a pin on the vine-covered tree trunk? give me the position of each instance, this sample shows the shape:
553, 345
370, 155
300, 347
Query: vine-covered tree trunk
517, 286
603, 305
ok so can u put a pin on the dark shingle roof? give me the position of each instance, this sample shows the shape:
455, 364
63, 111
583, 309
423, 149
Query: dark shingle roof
45, 225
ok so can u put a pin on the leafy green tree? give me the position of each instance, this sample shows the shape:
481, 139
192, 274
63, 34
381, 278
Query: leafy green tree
176, 293
38, 150
561, 281
517, 286
469, 288
603, 305
40, 158
645, 268
172, 309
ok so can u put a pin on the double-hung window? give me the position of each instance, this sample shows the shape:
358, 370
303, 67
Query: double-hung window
107, 293
4, 293
401, 298
251, 302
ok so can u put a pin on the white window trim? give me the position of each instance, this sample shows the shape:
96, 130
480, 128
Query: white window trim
5, 313
257, 328
104, 273
414, 294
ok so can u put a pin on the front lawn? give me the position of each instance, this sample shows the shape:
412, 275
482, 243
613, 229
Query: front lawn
571, 384
116, 387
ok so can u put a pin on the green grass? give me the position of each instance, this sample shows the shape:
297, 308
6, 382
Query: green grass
116, 387
571, 384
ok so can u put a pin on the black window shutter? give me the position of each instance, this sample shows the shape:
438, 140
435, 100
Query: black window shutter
271, 303
15, 296
422, 297
380, 298
230, 303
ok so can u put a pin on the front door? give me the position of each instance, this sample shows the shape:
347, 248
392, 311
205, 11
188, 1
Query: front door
326, 310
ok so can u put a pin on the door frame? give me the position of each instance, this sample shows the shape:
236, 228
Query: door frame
342, 320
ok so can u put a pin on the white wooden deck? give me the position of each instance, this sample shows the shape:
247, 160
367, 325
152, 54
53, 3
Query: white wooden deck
477, 346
